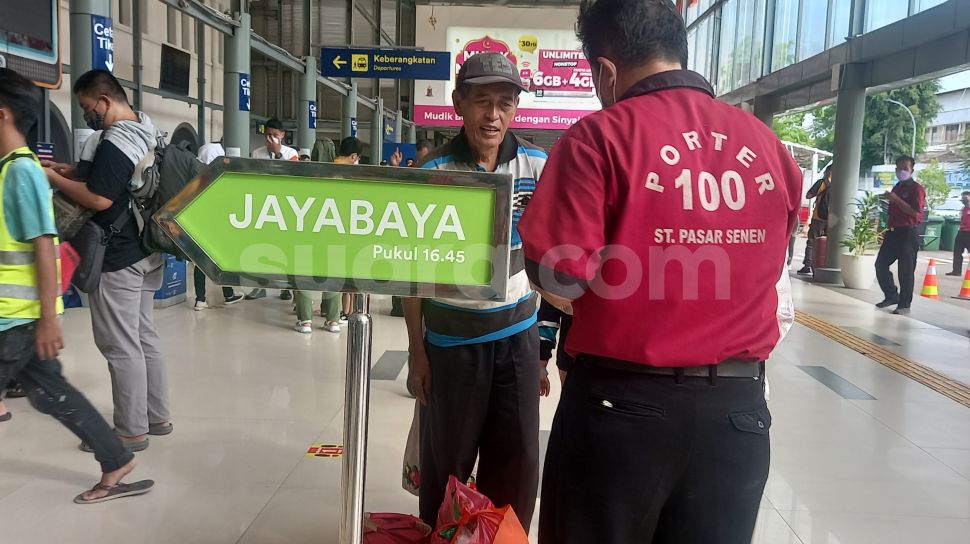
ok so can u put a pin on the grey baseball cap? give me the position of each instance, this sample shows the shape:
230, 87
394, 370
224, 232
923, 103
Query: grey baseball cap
485, 68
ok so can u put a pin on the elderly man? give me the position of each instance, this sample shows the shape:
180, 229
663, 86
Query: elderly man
475, 365
679, 210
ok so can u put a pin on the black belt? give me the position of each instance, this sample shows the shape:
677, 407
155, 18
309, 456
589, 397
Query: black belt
731, 368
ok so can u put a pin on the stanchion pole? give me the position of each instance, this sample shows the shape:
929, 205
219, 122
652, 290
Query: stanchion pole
356, 403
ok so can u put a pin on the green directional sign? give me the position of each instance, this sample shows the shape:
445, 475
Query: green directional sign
326, 227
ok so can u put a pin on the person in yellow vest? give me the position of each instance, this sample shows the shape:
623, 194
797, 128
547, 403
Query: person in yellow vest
30, 335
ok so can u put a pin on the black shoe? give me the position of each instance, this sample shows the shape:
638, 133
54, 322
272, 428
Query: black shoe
888, 302
233, 300
957, 274
286, 295
902, 310
805, 270
16, 392
256, 294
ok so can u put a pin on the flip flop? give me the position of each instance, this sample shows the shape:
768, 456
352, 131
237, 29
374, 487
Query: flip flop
117, 491
6, 417
130, 446
161, 429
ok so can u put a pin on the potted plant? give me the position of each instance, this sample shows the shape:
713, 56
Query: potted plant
862, 240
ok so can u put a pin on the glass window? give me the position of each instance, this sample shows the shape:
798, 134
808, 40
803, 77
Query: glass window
172, 26
692, 50
742, 49
188, 25
749, 51
887, 12
839, 25
704, 48
757, 41
693, 10
927, 4
812, 23
786, 34
727, 54
124, 12
952, 133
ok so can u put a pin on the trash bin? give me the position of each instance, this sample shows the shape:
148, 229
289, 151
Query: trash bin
950, 229
932, 233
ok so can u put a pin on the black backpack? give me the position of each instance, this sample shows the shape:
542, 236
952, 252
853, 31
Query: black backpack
164, 174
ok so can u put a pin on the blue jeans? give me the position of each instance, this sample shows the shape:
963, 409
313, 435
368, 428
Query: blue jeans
50, 394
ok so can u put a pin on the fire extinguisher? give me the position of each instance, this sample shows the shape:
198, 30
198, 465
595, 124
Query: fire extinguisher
818, 259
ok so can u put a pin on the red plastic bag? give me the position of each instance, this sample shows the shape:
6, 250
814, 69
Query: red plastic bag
69, 262
468, 517
395, 529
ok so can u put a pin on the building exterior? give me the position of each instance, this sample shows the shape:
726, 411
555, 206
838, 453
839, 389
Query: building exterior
948, 131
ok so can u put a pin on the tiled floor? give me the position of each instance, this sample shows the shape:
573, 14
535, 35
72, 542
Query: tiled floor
250, 395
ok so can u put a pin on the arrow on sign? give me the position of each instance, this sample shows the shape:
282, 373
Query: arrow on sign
215, 219
338, 63
110, 63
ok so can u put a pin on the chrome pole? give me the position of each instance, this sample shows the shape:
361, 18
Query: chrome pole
356, 402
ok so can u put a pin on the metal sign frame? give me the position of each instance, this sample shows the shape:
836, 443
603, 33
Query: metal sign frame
167, 218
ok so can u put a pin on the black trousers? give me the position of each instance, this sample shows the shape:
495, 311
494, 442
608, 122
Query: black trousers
484, 404
50, 393
199, 282
638, 459
899, 245
816, 229
961, 244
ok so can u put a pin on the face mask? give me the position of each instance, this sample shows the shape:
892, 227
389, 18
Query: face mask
599, 85
94, 120
904, 175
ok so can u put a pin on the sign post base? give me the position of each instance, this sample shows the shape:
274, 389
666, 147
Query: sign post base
356, 403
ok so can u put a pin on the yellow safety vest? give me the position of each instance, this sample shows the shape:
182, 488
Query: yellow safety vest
19, 294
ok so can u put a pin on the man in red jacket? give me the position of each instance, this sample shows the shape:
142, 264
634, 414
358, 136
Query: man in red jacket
679, 210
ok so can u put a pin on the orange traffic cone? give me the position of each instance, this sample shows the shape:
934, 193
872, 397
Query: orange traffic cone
965, 290
931, 285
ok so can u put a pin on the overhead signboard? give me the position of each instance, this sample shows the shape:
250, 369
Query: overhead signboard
327, 227
245, 89
102, 43
385, 63
549, 61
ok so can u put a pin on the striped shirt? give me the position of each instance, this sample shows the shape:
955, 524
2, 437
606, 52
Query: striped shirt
450, 322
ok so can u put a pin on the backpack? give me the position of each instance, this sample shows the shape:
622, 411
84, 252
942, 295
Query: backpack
161, 175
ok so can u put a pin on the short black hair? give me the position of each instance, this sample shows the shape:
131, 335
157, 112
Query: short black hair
424, 144
907, 158
275, 124
19, 96
349, 146
965, 193
632, 32
100, 82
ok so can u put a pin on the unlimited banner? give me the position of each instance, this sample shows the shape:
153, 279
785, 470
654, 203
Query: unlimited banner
550, 63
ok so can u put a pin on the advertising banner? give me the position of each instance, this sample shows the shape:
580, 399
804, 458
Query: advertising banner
550, 62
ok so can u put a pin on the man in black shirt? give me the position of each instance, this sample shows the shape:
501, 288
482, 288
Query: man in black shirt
122, 306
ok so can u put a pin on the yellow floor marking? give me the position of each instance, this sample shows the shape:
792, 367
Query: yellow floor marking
942, 384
